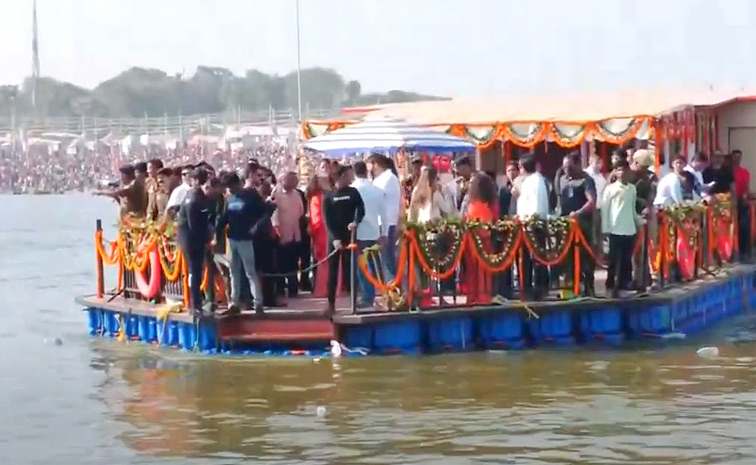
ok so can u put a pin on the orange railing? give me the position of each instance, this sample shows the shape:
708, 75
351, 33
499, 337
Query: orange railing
678, 243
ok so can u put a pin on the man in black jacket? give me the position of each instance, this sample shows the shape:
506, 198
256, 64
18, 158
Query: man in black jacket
194, 232
343, 210
245, 211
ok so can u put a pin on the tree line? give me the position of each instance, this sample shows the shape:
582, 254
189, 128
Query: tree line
137, 92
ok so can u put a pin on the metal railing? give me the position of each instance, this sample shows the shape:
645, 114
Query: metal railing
206, 123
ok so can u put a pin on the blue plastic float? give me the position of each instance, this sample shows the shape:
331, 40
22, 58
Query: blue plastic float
504, 328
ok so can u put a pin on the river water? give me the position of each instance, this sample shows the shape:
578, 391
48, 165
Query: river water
82, 400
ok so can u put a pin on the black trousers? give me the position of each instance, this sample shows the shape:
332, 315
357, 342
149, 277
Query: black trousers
288, 264
619, 270
305, 261
744, 230
535, 277
339, 259
195, 255
265, 261
503, 282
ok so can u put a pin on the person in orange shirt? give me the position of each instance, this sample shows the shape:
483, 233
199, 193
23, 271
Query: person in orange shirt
316, 190
742, 184
482, 207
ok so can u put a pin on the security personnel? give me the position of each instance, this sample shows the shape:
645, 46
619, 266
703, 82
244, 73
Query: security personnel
194, 233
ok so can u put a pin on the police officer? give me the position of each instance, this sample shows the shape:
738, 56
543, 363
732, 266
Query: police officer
194, 234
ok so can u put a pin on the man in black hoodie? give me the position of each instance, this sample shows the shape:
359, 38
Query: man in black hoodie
194, 233
343, 210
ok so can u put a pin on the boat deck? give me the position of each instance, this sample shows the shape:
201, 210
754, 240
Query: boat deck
514, 323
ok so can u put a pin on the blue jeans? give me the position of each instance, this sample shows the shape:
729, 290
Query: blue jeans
367, 291
243, 266
389, 253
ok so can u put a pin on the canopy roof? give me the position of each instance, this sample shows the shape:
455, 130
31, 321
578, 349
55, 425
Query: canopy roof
387, 135
565, 108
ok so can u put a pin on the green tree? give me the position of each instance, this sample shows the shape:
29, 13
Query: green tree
144, 91
353, 91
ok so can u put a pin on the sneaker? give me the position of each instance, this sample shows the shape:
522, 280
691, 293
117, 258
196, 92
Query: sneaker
234, 309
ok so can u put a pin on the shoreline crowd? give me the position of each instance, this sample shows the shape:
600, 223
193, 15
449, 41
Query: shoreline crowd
47, 170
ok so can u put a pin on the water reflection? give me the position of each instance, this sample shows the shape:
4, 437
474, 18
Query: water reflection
530, 407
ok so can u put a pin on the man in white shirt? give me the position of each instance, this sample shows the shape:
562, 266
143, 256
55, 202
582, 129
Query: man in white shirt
595, 171
669, 191
383, 178
533, 195
619, 221
178, 195
369, 231
533, 200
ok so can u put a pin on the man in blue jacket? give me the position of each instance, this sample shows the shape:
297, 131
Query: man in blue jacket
245, 210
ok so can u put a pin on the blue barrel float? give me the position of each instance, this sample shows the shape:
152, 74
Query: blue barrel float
603, 324
554, 326
505, 330
452, 333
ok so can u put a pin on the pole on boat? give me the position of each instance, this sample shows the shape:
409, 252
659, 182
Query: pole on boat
299, 70
99, 269
353, 270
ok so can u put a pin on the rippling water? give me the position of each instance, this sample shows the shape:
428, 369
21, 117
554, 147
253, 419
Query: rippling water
92, 401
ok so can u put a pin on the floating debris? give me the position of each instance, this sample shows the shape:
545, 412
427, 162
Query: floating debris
708, 352
335, 349
320, 411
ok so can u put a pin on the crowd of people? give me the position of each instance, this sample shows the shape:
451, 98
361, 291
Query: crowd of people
279, 229
41, 169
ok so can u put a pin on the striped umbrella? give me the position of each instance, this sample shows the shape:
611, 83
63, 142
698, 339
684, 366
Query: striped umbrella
386, 135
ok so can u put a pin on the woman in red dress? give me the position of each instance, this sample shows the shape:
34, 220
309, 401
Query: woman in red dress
316, 190
482, 207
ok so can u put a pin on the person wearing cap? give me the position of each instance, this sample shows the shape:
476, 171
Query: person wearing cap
163, 193
194, 234
131, 195
151, 186
644, 179
645, 182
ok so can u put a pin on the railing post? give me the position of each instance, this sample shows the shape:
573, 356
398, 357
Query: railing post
663, 244
210, 289
353, 276
99, 265
644, 268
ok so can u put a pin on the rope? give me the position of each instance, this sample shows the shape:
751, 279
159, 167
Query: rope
306, 270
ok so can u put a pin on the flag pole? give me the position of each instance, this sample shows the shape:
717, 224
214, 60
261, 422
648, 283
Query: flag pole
35, 56
299, 71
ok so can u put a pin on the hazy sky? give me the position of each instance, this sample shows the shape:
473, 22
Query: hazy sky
447, 47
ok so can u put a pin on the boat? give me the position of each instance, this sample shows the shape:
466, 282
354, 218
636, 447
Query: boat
697, 241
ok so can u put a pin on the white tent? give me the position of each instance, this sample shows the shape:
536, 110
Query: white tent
386, 135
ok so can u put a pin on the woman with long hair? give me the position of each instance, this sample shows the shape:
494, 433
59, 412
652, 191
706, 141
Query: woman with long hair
483, 207
316, 189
